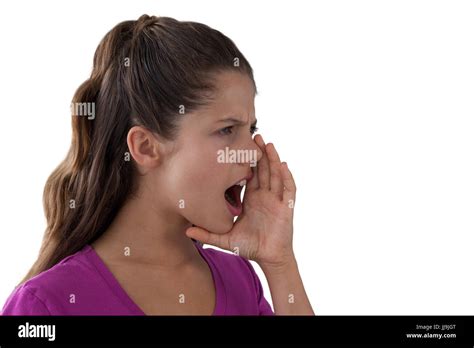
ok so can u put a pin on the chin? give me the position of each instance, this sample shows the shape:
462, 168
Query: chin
217, 220
220, 228
216, 224
225, 228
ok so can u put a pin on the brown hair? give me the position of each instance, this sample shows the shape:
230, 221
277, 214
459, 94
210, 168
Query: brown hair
144, 73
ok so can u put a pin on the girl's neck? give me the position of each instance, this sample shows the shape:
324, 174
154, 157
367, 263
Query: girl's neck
142, 234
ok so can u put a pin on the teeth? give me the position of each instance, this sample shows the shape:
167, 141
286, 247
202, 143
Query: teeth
242, 183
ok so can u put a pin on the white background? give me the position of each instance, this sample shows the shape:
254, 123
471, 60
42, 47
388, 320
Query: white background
370, 102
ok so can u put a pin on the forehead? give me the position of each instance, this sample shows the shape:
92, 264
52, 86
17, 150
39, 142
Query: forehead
234, 96
234, 85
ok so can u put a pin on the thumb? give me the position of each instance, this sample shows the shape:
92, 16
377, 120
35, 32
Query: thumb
206, 237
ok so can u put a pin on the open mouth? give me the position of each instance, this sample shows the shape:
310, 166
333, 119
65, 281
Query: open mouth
232, 194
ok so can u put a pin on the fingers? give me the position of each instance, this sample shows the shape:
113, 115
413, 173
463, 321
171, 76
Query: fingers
289, 193
276, 184
253, 184
272, 174
206, 237
263, 170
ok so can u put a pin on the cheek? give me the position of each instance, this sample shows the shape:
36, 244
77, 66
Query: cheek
200, 183
197, 176
204, 178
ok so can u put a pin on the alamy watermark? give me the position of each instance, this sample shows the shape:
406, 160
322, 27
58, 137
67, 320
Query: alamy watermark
33, 331
83, 109
237, 156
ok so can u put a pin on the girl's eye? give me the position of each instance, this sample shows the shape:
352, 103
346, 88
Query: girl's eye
226, 130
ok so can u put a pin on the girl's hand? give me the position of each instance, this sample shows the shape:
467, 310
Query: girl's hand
264, 230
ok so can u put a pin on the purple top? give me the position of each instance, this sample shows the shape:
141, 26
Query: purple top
81, 284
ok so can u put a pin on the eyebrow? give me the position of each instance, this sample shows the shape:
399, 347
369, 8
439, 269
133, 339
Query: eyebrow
236, 121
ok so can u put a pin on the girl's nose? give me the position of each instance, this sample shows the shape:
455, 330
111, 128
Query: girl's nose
254, 151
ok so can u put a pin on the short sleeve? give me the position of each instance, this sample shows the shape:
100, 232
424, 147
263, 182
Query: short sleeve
24, 302
263, 305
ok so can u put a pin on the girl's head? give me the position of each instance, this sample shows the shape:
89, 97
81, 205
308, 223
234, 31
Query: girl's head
188, 175
153, 119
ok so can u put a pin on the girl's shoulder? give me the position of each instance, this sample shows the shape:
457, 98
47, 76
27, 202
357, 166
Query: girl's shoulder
61, 286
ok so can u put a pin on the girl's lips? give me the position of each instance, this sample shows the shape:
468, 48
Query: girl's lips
247, 179
232, 198
237, 209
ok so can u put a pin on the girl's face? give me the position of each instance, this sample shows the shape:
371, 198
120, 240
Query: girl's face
213, 151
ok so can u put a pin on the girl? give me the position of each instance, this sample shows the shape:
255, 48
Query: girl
141, 188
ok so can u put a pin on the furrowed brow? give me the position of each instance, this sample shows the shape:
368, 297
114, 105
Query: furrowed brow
236, 121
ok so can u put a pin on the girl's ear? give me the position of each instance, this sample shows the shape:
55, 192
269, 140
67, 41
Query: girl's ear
145, 148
